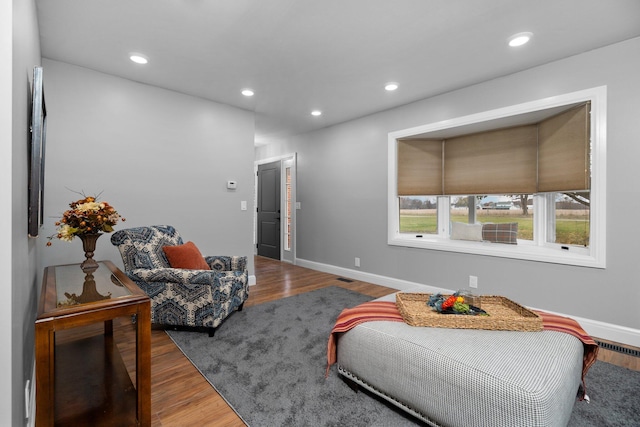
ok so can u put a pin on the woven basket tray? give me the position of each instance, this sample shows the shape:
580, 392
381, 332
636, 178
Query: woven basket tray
504, 314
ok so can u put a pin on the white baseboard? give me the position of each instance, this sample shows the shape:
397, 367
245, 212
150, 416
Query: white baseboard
252, 280
595, 328
403, 285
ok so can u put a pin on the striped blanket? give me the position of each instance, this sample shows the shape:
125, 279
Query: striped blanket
387, 311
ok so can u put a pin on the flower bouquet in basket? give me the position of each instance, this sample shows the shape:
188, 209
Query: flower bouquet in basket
459, 303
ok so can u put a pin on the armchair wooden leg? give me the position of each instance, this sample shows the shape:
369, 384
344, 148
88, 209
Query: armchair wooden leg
212, 331
240, 307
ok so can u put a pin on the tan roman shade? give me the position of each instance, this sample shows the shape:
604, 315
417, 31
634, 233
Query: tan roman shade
552, 155
419, 167
501, 161
564, 151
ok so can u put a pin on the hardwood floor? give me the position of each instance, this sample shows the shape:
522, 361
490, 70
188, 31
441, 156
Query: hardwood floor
180, 396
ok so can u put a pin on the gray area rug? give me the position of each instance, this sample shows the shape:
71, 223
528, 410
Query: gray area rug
268, 362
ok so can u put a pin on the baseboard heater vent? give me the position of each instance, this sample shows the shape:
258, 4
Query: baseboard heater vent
618, 348
344, 279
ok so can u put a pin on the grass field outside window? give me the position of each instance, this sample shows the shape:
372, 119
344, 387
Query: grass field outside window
572, 226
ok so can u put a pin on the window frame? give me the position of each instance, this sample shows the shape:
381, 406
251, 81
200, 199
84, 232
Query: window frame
538, 250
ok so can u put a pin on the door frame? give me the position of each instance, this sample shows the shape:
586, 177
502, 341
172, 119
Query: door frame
292, 161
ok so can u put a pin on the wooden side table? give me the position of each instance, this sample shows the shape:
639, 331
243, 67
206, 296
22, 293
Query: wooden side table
86, 379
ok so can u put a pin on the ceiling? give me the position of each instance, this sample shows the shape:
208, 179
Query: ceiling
331, 55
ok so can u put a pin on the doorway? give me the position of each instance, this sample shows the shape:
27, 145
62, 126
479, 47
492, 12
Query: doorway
275, 208
269, 210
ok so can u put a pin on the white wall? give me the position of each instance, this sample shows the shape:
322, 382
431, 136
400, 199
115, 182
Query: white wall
6, 142
19, 53
342, 179
157, 156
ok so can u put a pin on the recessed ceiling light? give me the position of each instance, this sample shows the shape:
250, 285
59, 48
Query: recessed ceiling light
391, 86
138, 58
519, 39
316, 113
247, 92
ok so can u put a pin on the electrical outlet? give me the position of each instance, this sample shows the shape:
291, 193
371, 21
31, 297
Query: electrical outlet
473, 281
357, 262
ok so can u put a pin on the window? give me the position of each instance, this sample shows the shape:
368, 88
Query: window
570, 220
500, 209
418, 215
540, 165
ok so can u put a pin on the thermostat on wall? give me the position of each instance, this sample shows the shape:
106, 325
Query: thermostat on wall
231, 185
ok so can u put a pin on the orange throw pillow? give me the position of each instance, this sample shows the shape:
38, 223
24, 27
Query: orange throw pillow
185, 256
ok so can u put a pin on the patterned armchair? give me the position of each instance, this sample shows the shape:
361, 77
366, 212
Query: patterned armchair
192, 298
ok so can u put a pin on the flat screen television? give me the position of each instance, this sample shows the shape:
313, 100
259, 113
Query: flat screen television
38, 128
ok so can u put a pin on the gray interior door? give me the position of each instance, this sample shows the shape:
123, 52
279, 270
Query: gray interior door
269, 210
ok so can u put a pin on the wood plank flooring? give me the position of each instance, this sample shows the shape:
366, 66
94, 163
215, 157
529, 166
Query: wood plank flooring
180, 396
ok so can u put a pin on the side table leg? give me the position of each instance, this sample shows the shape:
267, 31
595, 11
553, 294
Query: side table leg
143, 363
45, 374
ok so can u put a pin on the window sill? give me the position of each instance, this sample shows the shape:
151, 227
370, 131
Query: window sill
523, 251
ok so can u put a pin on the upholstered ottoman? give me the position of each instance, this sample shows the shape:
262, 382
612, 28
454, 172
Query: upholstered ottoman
466, 377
